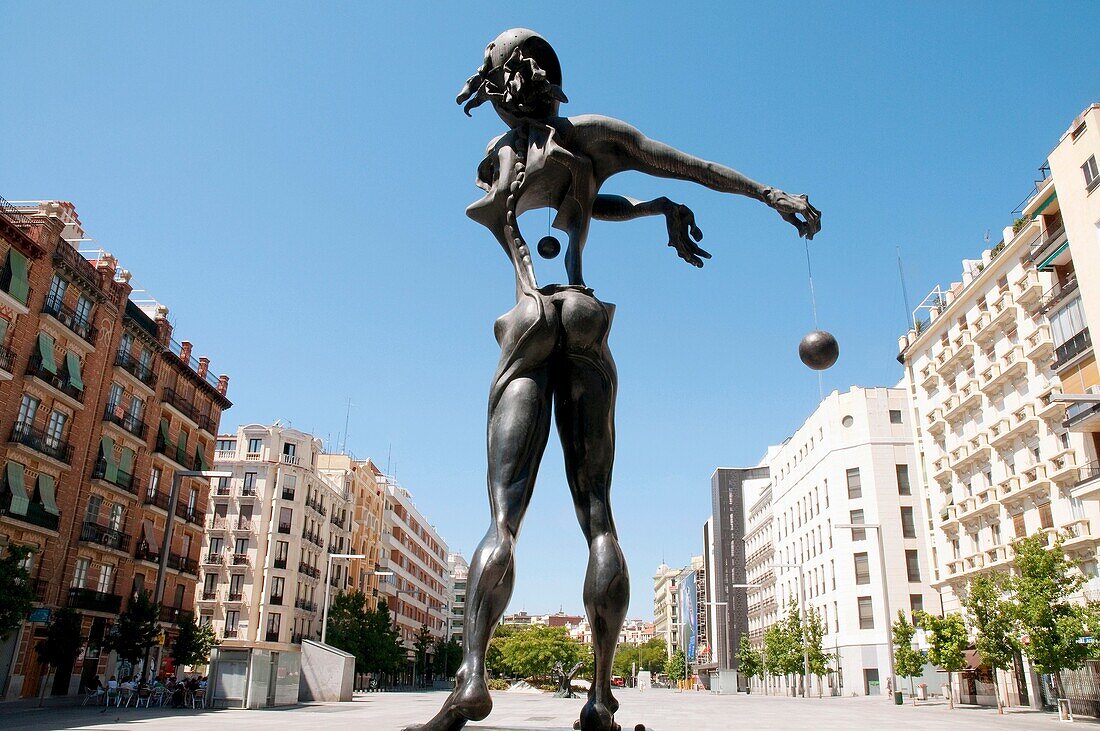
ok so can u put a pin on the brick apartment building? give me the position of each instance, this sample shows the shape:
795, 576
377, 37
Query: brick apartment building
99, 407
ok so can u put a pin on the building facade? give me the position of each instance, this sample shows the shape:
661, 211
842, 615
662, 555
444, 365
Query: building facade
666, 615
271, 528
458, 570
418, 591
850, 463
365, 487
105, 407
761, 609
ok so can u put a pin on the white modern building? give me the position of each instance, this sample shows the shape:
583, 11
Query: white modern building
849, 463
270, 529
759, 556
458, 569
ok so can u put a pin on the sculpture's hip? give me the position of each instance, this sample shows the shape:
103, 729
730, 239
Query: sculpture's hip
559, 319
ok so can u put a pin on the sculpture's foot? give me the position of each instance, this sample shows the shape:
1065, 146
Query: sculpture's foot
596, 716
612, 702
470, 701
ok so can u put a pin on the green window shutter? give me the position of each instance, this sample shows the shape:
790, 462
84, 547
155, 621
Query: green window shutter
200, 459
126, 462
19, 287
72, 364
45, 350
164, 435
4, 324
107, 447
19, 499
46, 490
181, 449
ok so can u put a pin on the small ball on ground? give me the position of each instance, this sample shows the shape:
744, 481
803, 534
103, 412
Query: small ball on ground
819, 350
549, 247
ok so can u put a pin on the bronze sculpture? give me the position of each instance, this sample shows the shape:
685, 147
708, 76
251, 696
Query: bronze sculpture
564, 679
554, 341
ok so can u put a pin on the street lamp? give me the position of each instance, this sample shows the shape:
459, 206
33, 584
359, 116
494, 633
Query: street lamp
885, 592
328, 587
166, 541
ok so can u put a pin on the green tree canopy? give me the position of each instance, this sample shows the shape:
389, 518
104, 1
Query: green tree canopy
676, 666
62, 643
908, 661
137, 629
947, 641
993, 618
16, 593
749, 661
533, 650
193, 643
814, 635
446, 657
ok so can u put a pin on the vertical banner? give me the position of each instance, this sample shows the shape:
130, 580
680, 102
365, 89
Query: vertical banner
689, 614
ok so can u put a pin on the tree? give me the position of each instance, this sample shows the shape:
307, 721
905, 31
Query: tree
532, 651
447, 655
16, 593
137, 629
386, 651
676, 666
908, 662
1044, 580
193, 643
421, 645
749, 661
647, 656
350, 628
60, 647
993, 618
494, 657
813, 633
948, 643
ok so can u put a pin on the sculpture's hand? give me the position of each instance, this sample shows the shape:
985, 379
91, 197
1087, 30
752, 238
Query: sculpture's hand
790, 207
681, 230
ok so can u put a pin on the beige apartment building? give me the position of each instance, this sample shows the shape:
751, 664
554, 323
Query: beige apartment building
665, 606
269, 532
365, 487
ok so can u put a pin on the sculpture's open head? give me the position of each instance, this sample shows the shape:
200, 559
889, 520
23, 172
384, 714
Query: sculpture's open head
521, 76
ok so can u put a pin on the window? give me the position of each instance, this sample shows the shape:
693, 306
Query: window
282, 549
277, 583
106, 579
912, 564
1091, 173
28, 409
908, 527
249, 482
289, 449
240, 545
863, 568
215, 546
1067, 322
855, 490
231, 619
902, 471
57, 292
83, 311
236, 581
856, 517
91, 514
895, 416
55, 428
273, 627
916, 603
226, 445
80, 574
114, 397
146, 361
125, 346
117, 513
255, 445
154, 481
1045, 519
866, 613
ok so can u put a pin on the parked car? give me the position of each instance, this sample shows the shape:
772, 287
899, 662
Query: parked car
617, 680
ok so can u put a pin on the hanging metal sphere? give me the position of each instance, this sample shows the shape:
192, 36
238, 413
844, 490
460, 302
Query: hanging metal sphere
819, 350
549, 247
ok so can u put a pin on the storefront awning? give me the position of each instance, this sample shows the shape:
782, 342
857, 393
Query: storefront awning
47, 493
1048, 262
20, 501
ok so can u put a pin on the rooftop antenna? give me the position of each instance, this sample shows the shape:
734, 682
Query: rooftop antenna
904, 292
987, 236
347, 416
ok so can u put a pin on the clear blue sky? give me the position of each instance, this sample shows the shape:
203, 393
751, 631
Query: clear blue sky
290, 181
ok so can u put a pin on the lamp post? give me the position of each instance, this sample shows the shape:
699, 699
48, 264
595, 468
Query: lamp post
166, 541
877, 528
328, 587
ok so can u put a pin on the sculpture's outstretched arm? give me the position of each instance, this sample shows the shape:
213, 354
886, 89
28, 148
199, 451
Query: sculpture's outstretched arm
678, 218
625, 148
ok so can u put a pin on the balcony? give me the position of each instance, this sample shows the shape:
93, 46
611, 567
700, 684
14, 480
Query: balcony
1088, 482
1050, 241
1047, 408
1008, 487
1034, 487
284, 528
182, 405
241, 559
157, 500
145, 552
305, 606
221, 490
929, 377
276, 600
1077, 535
941, 471
962, 351
229, 633
1023, 421
59, 380
36, 515
958, 456
272, 635
340, 523
313, 538
122, 480
999, 314
183, 564
935, 421
279, 563
128, 422
209, 596
978, 451
247, 526
316, 506
7, 361
1082, 417
288, 493
1028, 290
104, 536
94, 601
189, 513
999, 556
249, 491
968, 397
1062, 468
174, 615
1000, 433
1058, 293
304, 568
291, 460
41, 442
217, 523
235, 596
979, 504
224, 455
143, 373
939, 362
214, 559
68, 317
1075, 346
172, 452
296, 638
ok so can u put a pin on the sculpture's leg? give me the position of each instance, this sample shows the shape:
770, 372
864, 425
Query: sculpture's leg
519, 424
585, 383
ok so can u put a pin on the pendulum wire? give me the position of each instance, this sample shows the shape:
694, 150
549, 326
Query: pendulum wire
813, 308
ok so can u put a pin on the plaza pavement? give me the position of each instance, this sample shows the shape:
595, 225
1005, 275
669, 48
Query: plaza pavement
660, 710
